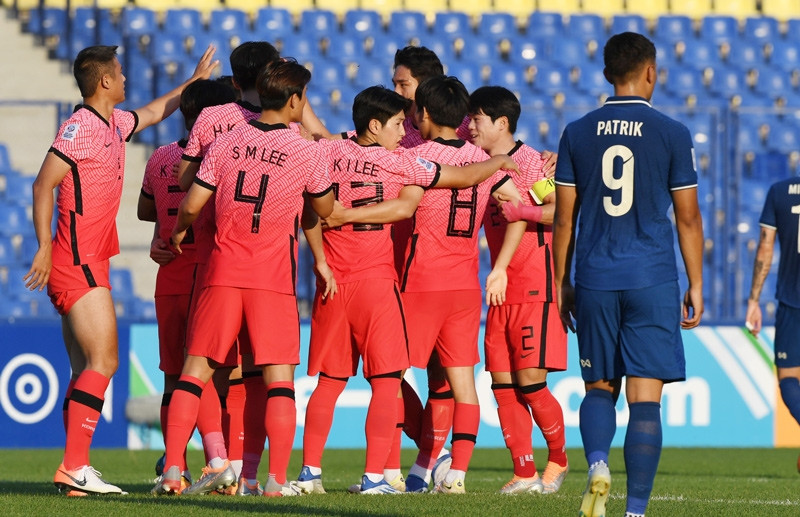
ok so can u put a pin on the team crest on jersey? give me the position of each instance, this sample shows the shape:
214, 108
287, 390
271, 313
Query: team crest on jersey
428, 166
70, 132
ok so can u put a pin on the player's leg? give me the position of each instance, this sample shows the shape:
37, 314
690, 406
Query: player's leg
281, 415
319, 418
77, 363
412, 412
787, 358
252, 416
230, 390
379, 428
642, 448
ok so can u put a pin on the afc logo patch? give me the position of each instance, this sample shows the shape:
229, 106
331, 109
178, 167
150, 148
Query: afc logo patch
70, 132
428, 166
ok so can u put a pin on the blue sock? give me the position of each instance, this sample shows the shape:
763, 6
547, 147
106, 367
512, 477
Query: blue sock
642, 452
790, 393
598, 423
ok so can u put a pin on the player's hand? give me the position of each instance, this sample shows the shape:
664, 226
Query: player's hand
206, 65
752, 319
325, 275
512, 211
549, 167
496, 284
305, 133
176, 239
566, 306
337, 217
39, 273
160, 252
507, 163
692, 308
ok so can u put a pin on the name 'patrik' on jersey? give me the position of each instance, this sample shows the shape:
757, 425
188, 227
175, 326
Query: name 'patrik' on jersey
619, 127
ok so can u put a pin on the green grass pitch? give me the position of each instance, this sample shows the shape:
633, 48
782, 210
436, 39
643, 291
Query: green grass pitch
690, 482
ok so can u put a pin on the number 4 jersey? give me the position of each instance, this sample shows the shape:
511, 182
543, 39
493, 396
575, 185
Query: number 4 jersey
625, 159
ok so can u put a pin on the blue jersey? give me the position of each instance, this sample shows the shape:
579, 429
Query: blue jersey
625, 159
782, 213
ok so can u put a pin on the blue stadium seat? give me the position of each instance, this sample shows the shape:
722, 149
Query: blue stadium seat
768, 167
407, 24
328, 74
318, 23
371, 73
452, 24
673, 28
746, 54
170, 129
592, 80
345, 48
362, 21
48, 21
571, 52
135, 21
628, 23
382, 47
19, 189
8, 253
509, 76
11, 309
528, 52
718, 29
785, 55
183, 20
468, 72
783, 138
121, 283
301, 47
497, 26
273, 23
551, 79
5, 159
728, 81
587, 27
683, 81
763, 29
748, 138
700, 55
542, 24
228, 21
167, 47
442, 46
772, 83
84, 20
479, 50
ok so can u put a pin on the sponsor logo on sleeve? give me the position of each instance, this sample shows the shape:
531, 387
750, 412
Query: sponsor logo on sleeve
428, 166
70, 132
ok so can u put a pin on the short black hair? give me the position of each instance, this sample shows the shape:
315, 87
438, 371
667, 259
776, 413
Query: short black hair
496, 102
279, 80
248, 59
91, 64
379, 103
445, 98
202, 94
420, 61
625, 53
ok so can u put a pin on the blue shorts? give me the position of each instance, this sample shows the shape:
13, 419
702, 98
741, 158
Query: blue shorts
787, 336
634, 333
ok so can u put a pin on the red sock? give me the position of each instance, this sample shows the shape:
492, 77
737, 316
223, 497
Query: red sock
209, 423
280, 423
436, 422
183, 410
381, 421
65, 405
233, 415
412, 412
83, 414
516, 426
393, 461
549, 417
319, 417
255, 434
466, 419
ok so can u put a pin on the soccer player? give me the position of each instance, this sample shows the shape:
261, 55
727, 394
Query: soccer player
158, 202
524, 337
86, 164
620, 167
259, 172
780, 217
440, 289
365, 319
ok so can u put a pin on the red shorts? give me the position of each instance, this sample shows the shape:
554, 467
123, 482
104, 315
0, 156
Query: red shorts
447, 320
233, 358
172, 315
364, 319
525, 335
271, 319
67, 284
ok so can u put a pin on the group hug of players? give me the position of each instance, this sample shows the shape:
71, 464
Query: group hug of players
391, 213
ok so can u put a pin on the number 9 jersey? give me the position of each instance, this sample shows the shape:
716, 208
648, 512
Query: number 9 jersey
624, 160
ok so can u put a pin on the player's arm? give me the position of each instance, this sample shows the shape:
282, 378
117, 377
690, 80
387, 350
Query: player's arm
766, 246
385, 212
566, 215
159, 250
549, 167
689, 223
451, 176
542, 213
193, 202
146, 208
50, 175
159, 109
497, 280
187, 172
314, 125
312, 228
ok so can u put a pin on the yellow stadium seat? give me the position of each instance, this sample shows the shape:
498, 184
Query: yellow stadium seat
428, 7
651, 9
607, 8
293, 6
559, 6
781, 9
473, 8
736, 8
251, 7
519, 8
692, 8
204, 6
383, 7
339, 7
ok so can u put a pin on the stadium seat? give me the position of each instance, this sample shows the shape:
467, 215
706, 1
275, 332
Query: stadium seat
338, 7
682, 82
497, 26
509, 76
228, 21
430, 8
651, 10
183, 21
301, 47
718, 29
273, 23
8, 252
371, 73
528, 52
443, 47
605, 8
167, 47
521, 9
695, 9
551, 79
571, 51
382, 47
19, 189
452, 24
5, 159
386, 7
768, 167
783, 138
628, 23
135, 21
673, 28
592, 80
478, 50
746, 54
772, 83
168, 75
251, 7
318, 23
782, 10
345, 48
467, 71
474, 8
407, 24
785, 55
762, 29
363, 22
587, 27
748, 138
328, 75
121, 283
47, 21
700, 55
170, 130
737, 8
728, 81
567, 7
12, 309
545, 25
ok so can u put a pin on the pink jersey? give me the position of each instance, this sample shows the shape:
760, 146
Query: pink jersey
442, 254
89, 195
530, 272
365, 176
160, 185
413, 137
259, 173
